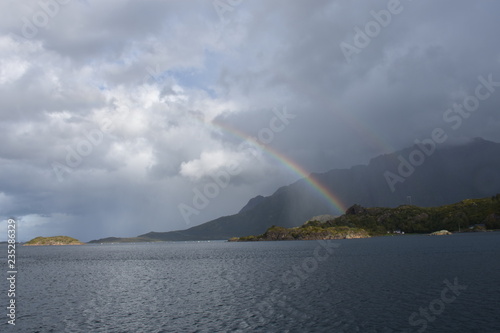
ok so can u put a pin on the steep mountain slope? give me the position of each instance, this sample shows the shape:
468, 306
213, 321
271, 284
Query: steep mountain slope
423, 176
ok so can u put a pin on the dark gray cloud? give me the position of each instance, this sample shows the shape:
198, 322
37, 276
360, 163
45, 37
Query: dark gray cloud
115, 113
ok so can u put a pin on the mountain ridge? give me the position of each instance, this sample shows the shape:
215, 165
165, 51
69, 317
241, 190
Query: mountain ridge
469, 215
449, 174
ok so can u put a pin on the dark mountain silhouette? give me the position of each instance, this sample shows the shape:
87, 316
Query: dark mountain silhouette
440, 176
252, 203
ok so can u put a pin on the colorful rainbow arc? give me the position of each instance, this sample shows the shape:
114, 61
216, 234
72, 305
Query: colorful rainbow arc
332, 199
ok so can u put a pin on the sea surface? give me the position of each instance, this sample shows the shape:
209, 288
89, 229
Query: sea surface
411, 283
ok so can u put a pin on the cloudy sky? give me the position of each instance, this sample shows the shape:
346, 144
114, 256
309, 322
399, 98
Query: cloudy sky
115, 114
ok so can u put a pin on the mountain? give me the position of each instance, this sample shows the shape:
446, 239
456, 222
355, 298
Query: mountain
470, 215
252, 203
422, 175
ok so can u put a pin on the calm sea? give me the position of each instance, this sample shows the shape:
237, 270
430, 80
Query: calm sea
384, 284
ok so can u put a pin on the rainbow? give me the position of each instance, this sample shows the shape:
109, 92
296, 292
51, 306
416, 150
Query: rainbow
332, 199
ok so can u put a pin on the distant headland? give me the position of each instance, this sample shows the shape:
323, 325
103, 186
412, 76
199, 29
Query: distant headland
56, 240
470, 215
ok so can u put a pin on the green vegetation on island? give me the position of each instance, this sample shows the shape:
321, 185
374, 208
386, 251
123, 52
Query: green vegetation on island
359, 222
305, 232
56, 240
466, 215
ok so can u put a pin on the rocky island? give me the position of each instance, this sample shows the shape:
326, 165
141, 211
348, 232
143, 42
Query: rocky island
468, 215
56, 240
440, 233
312, 230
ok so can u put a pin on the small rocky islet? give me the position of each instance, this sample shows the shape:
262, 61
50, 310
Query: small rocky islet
55, 240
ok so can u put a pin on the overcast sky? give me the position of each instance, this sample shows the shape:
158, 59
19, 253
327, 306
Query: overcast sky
115, 113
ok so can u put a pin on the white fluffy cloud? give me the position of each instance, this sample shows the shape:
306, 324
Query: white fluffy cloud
114, 112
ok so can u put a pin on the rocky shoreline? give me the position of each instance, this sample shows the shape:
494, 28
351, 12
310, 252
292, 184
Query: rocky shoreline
56, 240
305, 233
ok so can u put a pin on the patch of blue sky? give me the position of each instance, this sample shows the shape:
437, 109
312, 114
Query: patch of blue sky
203, 77
102, 87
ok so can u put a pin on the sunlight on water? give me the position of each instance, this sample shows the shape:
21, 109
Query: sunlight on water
364, 285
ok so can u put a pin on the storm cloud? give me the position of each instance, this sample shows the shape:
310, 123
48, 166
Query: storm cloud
116, 114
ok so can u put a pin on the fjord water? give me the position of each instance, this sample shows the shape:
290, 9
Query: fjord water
358, 285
